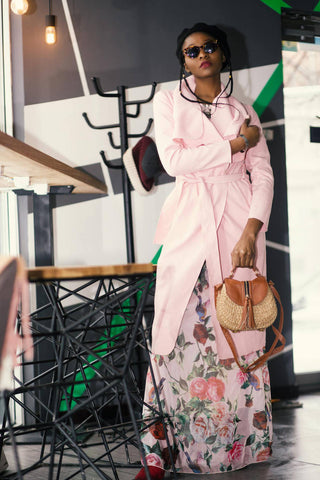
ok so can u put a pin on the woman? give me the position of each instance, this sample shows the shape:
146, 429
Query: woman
212, 222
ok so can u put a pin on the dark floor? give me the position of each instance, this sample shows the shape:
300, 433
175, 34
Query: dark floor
296, 450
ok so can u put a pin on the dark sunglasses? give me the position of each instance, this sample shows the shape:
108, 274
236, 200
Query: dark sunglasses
208, 47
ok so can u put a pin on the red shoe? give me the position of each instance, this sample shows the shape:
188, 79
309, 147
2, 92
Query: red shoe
156, 473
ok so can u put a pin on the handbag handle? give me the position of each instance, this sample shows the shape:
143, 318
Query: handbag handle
273, 349
255, 269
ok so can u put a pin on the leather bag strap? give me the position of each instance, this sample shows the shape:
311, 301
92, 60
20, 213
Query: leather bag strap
273, 349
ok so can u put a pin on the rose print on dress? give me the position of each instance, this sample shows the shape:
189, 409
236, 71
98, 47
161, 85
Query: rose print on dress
220, 411
166, 456
226, 433
264, 454
200, 333
241, 377
236, 452
218, 418
260, 420
216, 389
227, 363
157, 431
202, 428
154, 460
198, 388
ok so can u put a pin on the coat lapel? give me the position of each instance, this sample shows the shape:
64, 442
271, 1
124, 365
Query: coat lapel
188, 118
238, 114
193, 127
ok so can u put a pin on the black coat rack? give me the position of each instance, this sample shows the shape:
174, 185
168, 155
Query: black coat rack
124, 136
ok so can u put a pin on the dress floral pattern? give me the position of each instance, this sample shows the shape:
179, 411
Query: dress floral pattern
219, 417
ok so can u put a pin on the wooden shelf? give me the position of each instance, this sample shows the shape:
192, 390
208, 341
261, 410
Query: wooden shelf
17, 159
37, 274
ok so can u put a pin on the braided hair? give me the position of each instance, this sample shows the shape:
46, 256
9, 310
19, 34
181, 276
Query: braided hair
221, 37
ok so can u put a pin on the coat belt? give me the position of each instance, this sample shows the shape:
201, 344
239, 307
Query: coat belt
212, 180
208, 224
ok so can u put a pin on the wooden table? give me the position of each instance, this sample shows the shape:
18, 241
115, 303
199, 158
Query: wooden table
42, 274
18, 159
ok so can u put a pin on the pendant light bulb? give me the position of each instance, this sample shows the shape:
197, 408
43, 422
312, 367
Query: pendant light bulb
51, 35
19, 7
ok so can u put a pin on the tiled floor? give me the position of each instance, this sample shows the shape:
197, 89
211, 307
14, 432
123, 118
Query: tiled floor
296, 450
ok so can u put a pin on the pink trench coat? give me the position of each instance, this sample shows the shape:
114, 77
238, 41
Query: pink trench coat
205, 214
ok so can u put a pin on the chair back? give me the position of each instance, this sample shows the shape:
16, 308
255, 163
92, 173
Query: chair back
14, 297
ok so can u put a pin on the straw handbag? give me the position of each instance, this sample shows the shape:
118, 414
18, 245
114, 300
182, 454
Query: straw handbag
249, 305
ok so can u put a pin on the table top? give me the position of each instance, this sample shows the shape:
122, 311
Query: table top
18, 159
37, 274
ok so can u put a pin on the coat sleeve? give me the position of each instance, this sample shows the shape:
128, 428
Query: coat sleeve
258, 164
176, 157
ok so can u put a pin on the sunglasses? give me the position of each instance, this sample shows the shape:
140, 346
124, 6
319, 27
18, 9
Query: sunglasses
208, 47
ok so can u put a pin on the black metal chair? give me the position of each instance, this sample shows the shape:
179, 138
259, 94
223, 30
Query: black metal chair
96, 358
12, 288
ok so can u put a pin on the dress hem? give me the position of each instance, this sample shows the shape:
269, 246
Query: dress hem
218, 471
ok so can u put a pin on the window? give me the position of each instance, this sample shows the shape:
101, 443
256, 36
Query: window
8, 203
301, 71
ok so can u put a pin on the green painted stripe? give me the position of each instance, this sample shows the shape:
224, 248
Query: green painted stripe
317, 7
78, 389
269, 90
276, 4
156, 257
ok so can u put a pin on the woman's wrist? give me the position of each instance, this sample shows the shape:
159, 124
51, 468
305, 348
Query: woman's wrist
237, 145
252, 227
246, 142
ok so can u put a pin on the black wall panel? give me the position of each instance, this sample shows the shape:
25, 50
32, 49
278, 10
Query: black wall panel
132, 43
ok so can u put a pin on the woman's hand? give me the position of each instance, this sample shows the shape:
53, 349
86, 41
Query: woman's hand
251, 132
243, 254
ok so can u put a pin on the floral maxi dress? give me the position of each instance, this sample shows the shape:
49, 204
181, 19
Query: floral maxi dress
219, 418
